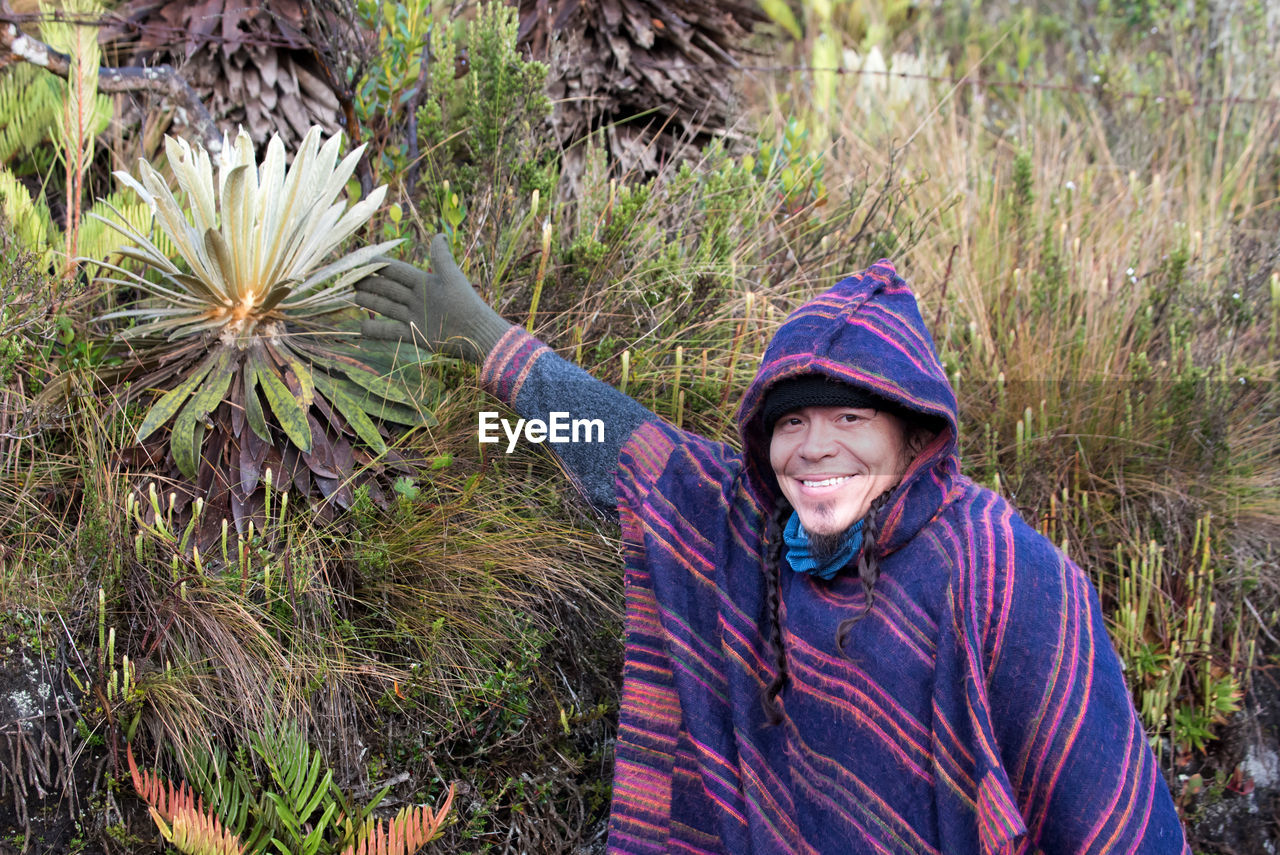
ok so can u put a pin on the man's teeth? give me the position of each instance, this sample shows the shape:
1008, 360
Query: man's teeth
827, 482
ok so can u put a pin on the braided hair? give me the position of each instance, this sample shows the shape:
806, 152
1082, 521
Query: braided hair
772, 571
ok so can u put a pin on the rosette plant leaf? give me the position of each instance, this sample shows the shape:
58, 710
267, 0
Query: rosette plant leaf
241, 334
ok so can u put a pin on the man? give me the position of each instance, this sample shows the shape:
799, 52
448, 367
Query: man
835, 642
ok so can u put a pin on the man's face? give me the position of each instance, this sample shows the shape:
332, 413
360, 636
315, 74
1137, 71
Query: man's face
832, 462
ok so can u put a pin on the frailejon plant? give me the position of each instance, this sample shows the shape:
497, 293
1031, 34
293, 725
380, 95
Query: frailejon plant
241, 334
296, 810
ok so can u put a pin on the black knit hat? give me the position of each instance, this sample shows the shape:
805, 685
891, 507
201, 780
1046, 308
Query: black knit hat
816, 390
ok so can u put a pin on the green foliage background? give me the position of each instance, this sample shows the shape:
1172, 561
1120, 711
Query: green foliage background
1086, 208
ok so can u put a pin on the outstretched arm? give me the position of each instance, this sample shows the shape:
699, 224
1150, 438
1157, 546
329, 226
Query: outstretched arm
439, 312
587, 420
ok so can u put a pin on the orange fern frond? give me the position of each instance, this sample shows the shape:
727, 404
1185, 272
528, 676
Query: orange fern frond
410, 830
180, 816
197, 833
160, 795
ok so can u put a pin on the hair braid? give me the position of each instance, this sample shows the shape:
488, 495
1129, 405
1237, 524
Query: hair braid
868, 566
772, 570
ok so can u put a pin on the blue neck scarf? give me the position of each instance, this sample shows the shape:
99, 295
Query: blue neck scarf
802, 559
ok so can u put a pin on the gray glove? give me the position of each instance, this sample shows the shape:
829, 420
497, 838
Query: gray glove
437, 311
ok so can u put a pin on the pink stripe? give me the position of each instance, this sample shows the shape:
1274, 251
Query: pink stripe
857, 791
861, 796
1008, 574
912, 356
761, 797
729, 785
998, 819
863, 696
698, 553
858, 828
955, 744
1147, 802
518, 382
1078, 705
495, 363
883, 612
906, 327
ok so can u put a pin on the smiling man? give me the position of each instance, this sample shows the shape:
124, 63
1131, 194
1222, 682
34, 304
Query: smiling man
834, 450
832, 461
835, 641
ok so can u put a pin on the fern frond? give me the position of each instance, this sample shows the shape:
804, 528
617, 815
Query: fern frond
30, 107
230, 795
410, 830
304, 788
159, 794
28, 219
195, 832
80, 43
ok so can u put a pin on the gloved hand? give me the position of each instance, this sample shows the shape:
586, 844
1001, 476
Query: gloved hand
438, 311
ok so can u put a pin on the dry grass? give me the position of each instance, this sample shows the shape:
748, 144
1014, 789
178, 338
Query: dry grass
1077, 259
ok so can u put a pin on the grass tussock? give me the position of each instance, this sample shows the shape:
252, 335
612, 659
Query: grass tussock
408, 613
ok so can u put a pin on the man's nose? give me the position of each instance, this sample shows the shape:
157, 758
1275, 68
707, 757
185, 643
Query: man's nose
819, 441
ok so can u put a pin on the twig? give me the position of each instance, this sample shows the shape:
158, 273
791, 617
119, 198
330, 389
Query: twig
334, 50
568, 688
17, 45
1262, 625
946, 280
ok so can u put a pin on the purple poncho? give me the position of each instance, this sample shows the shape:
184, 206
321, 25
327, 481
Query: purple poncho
978, 708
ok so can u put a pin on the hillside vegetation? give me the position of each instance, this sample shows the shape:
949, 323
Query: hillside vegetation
392, 614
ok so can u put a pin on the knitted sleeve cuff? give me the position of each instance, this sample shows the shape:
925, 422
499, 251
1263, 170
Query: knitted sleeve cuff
509, 362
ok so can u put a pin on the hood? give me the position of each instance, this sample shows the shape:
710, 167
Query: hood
866, 331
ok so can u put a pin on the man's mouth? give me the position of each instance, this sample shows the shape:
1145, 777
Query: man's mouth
826, 482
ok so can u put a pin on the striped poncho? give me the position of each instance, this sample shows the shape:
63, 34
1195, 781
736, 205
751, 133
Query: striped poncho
978, 708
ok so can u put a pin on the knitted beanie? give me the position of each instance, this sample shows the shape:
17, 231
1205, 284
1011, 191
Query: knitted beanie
816, 390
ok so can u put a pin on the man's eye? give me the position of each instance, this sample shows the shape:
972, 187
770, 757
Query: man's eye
851, 417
